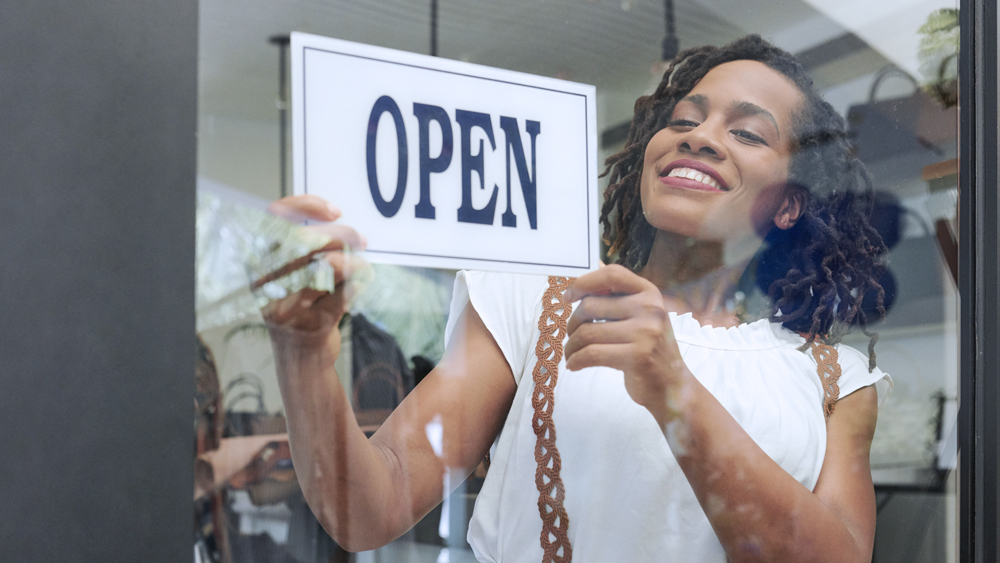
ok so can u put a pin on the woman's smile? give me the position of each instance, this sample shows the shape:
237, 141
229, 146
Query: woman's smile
691, 174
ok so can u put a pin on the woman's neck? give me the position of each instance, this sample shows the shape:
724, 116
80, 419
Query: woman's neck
696, 277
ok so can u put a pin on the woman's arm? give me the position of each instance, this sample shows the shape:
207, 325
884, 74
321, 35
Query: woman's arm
365, 492
758, 511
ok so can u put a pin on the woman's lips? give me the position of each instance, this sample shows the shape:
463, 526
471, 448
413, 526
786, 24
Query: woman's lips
691, 174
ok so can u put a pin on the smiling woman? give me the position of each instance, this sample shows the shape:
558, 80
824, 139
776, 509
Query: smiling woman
688, 426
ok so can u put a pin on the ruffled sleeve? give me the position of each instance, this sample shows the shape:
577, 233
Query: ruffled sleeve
509, 305
854, 375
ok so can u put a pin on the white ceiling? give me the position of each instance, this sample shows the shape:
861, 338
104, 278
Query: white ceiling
609, 43
612, 44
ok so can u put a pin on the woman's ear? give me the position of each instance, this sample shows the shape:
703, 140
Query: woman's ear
791, 208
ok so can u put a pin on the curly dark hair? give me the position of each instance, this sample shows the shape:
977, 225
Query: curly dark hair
815, 273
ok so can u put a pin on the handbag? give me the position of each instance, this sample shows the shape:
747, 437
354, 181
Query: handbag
914, 125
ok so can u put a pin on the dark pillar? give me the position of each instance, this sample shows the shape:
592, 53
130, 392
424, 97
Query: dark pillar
98, 106
979, 260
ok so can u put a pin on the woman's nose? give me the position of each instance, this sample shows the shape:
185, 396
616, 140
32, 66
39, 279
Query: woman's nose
703, 140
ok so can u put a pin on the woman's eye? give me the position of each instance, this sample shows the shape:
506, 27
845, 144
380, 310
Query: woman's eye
748, 136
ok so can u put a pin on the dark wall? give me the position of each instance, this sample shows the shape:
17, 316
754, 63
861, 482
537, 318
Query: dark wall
97, 193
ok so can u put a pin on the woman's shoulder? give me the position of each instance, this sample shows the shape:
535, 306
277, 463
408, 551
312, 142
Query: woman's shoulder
500, 294
508, 304
857, 371
502, 284
850, 368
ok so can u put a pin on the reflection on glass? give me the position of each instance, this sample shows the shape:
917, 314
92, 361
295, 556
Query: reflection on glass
712, 394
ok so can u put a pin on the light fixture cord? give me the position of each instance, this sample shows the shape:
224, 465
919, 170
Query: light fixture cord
670, 44
434, 28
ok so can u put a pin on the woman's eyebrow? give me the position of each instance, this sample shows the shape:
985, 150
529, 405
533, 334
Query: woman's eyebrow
747, 109
699, 100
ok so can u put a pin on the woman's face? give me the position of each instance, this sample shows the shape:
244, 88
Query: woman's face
718, 171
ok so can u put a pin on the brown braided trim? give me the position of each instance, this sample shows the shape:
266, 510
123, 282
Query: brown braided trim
828, 369
551, 494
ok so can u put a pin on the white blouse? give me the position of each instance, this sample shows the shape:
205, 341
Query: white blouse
626, 497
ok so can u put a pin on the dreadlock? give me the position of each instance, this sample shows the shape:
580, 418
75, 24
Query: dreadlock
815, 273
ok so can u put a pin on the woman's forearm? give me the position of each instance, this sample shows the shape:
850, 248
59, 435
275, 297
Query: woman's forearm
347, 481
758, 511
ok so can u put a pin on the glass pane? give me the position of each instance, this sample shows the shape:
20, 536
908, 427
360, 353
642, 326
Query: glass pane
727, 375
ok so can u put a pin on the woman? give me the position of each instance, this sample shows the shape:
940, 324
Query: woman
685, 433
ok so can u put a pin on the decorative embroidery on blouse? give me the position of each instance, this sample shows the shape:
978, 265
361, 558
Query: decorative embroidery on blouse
551, 494
828, 369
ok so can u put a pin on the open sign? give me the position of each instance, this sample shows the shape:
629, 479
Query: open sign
447, 164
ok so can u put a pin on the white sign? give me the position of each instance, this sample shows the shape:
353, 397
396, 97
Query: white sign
447, 164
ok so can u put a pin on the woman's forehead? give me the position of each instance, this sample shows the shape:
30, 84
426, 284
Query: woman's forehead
736, 84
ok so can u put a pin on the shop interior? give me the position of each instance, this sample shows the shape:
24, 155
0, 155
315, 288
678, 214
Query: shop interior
881, 67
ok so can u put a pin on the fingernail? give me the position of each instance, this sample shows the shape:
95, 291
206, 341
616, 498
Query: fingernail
333, 209
363, 241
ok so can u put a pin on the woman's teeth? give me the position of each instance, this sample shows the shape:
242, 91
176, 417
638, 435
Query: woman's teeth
692, 174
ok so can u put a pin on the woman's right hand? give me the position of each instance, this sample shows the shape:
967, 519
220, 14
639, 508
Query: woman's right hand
310, 311
368, 492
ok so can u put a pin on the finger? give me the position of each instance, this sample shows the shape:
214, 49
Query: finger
615, 332
306, 310
614, 356
341, 235
305, 207
308, 296
331, 303
608, 280
272, 312
344, 265
268, 311
280, 311
318, 315
286, 309
603, 307
309, 321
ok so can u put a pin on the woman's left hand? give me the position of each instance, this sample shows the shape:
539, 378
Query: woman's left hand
621, 322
